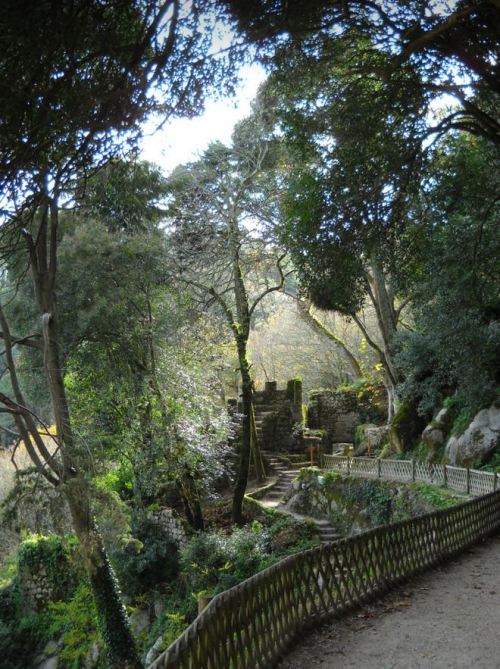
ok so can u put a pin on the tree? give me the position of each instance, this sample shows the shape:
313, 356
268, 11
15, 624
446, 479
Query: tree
218, 253
287, 343
454, 280
76, 81
454, 46
353, 163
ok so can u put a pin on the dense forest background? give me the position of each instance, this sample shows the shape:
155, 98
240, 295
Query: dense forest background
347, 236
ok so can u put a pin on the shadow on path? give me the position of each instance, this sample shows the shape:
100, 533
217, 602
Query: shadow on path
445, 619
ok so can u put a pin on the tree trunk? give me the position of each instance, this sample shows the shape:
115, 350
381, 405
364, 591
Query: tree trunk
241, 331
260, 471
386, 319
112, 617
191, 502
246, 434
304, 308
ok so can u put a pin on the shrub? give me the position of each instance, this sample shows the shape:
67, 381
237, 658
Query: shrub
56, 555
22, 636
76, 621
146, 558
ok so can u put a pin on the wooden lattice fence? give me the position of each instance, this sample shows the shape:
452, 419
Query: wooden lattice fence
462, 479
251, 625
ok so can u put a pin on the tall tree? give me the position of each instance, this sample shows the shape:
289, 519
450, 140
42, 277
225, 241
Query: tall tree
76, 80
215, 221
353, 161
455, 46
454, 279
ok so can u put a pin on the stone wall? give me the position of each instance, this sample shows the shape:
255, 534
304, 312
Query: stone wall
336, 412
278, 415
170, 525
352, 505
48, 570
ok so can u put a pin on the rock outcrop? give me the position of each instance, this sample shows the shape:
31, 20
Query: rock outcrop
369, 438
477, 444
434, 435
406, 427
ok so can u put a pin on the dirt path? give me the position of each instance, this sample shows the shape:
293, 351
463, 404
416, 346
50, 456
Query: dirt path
446, 619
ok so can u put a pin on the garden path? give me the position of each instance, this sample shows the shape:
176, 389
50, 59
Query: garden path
445, 619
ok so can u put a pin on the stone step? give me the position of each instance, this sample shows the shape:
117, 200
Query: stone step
266, 406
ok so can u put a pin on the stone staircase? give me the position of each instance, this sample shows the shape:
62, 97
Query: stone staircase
274, 499
285, 479
327, 533
262, 412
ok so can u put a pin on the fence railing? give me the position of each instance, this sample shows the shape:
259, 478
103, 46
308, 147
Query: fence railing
462, 479
251, 625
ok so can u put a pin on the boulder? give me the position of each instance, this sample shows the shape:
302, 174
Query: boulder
370, 438
433, 438
406, 427
434, 435
477, 444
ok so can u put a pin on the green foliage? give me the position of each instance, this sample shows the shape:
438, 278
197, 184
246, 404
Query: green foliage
146, 558
57, 555
330, 477
22, 635
372, 402
8, 570
493, 465
455, 347
323, 109
213, 562
119, 479
461, 412
420, 452
439, 498
76, 622
376, 498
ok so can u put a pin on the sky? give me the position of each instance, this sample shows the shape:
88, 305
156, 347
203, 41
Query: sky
182, 140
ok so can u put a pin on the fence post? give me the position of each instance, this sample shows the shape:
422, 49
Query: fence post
413, 469
445, 476
348, 465
467, 474
495, 481
379, 468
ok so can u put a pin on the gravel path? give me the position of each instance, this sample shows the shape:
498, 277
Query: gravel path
448, 618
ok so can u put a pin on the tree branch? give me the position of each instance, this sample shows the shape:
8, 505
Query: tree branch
24, 341
271, 289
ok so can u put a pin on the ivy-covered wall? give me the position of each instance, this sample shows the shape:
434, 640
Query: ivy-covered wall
354, 504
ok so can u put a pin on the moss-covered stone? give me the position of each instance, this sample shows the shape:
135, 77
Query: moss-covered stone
47, 570
370, 438
406, 427
354, 504
294, 391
